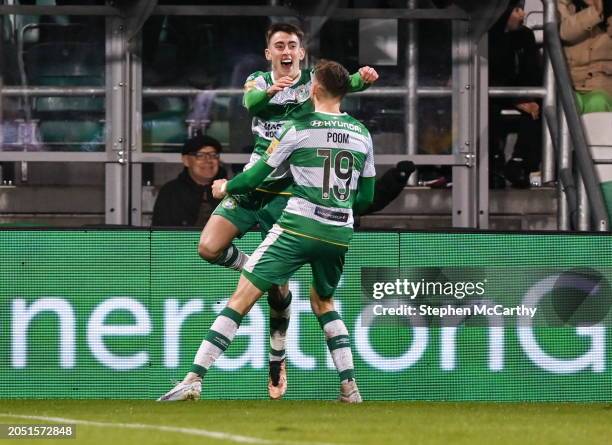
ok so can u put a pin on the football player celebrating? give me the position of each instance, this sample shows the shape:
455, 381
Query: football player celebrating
331, 160
272, 98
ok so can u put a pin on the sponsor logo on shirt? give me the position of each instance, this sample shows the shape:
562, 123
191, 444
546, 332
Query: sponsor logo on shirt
335, 124
271, 129
331, 214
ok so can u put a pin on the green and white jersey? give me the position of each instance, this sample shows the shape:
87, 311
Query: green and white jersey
327, 153
290, 104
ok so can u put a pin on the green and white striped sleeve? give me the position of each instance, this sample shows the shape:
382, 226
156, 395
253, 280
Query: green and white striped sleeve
283, 144
255, 97
369, 169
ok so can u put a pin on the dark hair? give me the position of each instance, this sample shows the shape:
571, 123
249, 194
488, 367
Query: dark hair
199, 141
333, 77
284, 27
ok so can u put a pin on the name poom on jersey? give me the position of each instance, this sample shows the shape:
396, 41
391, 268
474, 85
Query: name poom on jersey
335, 124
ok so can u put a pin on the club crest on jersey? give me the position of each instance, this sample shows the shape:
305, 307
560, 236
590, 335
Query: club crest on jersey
302, 93
229, 203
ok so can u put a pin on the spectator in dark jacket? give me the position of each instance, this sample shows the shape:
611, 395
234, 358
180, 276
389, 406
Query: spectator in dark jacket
514, 61
390, 185
187, 200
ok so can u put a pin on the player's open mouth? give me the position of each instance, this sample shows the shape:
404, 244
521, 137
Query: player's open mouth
286, 62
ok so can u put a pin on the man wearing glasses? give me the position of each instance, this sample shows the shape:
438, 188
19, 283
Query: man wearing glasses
187, 200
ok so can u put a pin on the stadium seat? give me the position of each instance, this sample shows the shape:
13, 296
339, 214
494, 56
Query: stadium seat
164, 131
73, 135
598, 128
220, 131
68, 123
219, 126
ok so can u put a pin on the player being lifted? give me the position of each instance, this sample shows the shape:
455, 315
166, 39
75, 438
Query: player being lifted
331, 159
272, 98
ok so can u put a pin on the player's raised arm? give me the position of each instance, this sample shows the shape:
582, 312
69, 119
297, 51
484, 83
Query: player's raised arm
362, 79
255, 96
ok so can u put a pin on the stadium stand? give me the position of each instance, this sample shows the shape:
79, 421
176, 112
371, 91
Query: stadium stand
79, 122
67, 123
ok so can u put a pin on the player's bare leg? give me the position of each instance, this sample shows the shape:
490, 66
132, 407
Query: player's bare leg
216, 246
279, 300
339, 344
218, 339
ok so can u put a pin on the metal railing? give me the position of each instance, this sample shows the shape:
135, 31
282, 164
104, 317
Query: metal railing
374, 92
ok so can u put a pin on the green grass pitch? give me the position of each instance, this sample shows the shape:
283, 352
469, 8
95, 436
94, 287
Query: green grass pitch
309, 423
